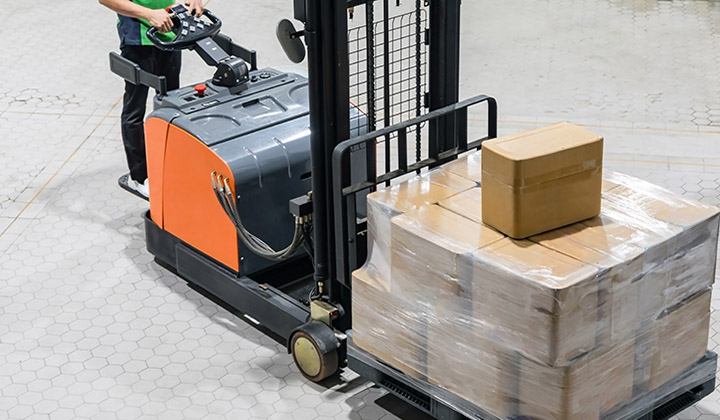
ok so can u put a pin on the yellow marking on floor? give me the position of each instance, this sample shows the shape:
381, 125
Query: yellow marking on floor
616, 127
60, 168
62, 115
669, 162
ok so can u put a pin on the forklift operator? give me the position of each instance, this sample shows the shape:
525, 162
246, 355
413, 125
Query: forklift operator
135, 17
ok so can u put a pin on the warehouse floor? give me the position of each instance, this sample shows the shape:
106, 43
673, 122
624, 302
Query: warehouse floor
91, 327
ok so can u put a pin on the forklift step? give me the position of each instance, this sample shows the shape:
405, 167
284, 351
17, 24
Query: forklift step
123, 183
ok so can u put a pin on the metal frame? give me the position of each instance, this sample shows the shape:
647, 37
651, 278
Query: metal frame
345, 191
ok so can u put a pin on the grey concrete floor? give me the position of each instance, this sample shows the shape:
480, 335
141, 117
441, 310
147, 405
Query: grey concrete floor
90, 327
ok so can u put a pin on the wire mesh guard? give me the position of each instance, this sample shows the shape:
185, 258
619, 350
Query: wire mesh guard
388, 74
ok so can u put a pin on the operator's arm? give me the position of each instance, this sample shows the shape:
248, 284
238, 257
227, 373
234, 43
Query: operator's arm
160, 19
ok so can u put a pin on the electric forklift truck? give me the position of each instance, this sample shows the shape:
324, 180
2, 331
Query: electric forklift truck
258, 177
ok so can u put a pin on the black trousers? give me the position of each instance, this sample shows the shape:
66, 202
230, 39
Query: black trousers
161, 63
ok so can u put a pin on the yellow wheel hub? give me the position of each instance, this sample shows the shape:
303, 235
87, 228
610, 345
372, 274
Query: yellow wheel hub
307, 356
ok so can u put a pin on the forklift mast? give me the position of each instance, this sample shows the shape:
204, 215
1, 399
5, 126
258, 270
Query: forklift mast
375, 68
329, 98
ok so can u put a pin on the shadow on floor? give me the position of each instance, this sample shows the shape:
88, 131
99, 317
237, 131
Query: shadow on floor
400, 408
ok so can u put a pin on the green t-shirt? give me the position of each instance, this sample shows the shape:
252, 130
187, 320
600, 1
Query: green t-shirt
134, 31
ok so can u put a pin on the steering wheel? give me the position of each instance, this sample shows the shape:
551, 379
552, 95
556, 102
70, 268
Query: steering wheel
187, 28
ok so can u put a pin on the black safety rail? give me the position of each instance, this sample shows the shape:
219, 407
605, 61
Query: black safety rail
346, 189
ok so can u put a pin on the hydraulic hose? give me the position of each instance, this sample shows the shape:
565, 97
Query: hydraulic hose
224, 195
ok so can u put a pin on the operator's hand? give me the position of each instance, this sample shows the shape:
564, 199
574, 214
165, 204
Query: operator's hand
195, 6
160, 20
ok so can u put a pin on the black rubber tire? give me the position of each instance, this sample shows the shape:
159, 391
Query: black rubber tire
328, 362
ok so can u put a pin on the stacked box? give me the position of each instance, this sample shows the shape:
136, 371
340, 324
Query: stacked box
384, 204
380, 314
690, 266
468, 166
429, 256
570, 324
536, 301
628, 257
584, 390
673, 343
451, 344
467, 204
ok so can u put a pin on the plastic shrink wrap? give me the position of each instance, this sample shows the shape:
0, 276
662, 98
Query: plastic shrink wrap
569, 324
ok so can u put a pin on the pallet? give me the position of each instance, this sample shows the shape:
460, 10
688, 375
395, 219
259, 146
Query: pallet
662, 403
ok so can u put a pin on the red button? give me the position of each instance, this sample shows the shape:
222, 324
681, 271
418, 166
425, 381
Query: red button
167, 9
200, 89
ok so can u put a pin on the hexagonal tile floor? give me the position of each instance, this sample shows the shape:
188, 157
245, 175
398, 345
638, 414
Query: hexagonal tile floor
91, 327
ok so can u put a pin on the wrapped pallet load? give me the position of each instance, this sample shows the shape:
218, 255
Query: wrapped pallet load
573, 323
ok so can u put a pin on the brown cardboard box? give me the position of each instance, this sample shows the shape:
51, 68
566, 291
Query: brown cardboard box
466, 364
384, 204
428, 249
542, 179
619, 268
538, 301
468, 166
658, 240
607, 183
690, 264
626, 257
673, 343
387, 326
593, 384
449, 179
467, 203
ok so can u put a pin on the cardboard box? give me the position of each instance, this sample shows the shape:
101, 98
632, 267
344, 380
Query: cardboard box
429, 262
468, 166
449, 179
690, 263
627, 258
474, 368
673, 343
619, 268
467, 204
384, 204
592, 385
388, 326
538, 301
542, 179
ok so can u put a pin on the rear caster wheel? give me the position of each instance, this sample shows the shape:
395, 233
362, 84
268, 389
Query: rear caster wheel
315, 351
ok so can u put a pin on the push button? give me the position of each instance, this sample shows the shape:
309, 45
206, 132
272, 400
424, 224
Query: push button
200, 90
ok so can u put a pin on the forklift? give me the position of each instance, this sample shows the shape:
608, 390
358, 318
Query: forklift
258, 177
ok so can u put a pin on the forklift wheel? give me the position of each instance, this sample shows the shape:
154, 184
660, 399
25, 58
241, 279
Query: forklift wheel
308, 357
